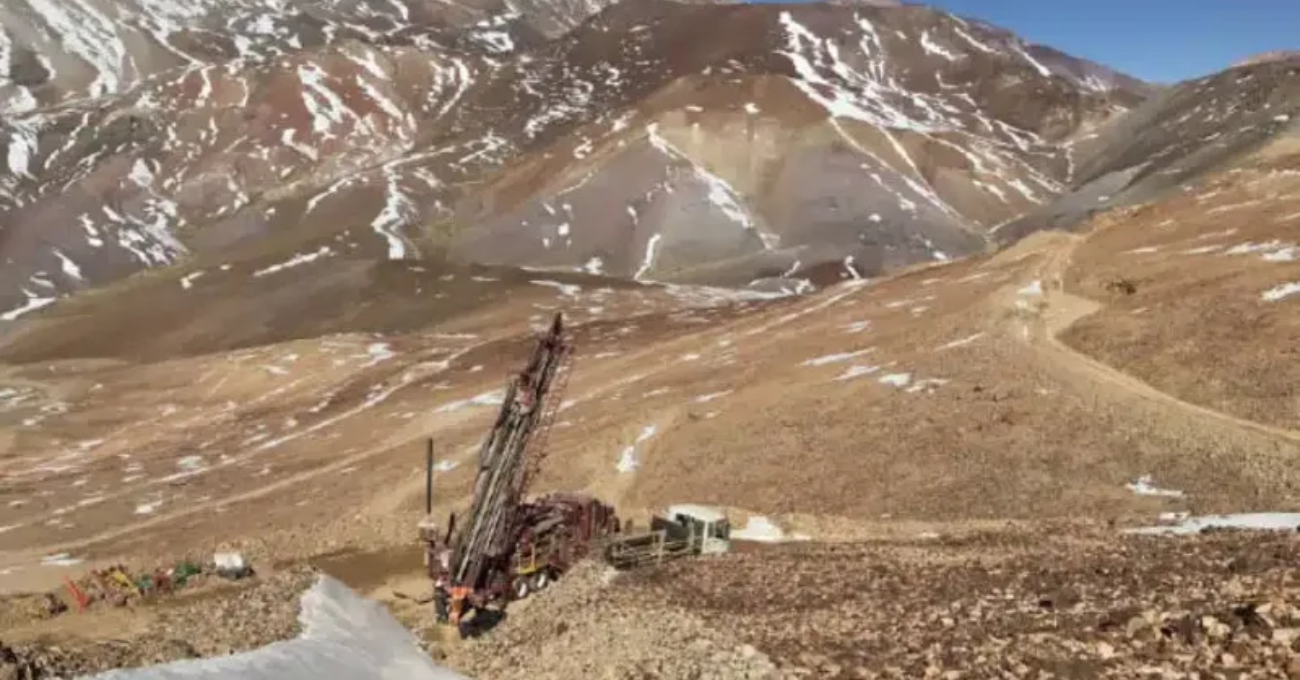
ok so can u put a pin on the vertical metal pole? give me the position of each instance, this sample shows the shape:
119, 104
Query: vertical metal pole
428, 478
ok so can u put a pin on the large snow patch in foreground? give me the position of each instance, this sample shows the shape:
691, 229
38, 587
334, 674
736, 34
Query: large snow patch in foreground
344, 636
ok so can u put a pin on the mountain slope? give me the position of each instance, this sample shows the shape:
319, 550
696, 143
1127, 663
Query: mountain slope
777, 137
1184, 134
419, 132
55, 52
959, 391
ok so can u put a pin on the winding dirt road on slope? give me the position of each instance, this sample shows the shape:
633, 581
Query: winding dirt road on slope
1038, 319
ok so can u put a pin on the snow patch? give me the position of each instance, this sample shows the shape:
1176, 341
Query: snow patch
961, 342
296, 260
705, 398
494, 398
926, 385
60, 560
147, 508
1269, 251
760, 529
398, 210
1287, 254
1279, 292
835, 358
70, 268
651, 253
930, 46
187, 281
896, 379
379, 351
857, 371
1145, 487
628, 461
1033, 289
34, 302
1256, 521
568, 290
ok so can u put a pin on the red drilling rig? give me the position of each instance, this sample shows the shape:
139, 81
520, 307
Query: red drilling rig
505, 547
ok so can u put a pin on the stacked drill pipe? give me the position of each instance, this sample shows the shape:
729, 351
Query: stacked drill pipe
485, 539
550, 520
563, 528
542, 519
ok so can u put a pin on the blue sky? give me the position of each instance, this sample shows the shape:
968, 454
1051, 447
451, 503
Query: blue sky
1156, 40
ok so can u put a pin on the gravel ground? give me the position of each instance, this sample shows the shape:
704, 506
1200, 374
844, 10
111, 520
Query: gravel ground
212, 624
994, 605
585, 627
1212, 606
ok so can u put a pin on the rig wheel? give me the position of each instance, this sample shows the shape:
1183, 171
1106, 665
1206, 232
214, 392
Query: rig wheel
541, 580
521, 588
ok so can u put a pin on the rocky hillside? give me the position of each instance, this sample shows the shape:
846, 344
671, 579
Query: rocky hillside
879, 137
57, 52
1275, 55
1179, 136
621, 140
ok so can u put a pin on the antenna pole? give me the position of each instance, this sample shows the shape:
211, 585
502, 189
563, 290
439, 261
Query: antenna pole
428, 478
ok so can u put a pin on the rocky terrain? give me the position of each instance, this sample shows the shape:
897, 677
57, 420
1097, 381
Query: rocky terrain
639, 636
1072, 602
204, 624
1004, 606
959, 310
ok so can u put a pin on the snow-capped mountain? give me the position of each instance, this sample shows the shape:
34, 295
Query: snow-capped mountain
633, 140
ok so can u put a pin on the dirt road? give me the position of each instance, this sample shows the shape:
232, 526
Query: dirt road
1042, 318
1034, 310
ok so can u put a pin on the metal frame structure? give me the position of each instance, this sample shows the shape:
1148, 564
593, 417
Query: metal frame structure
475, 563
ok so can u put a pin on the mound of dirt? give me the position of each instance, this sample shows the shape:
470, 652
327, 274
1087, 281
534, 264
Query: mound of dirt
586, 626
